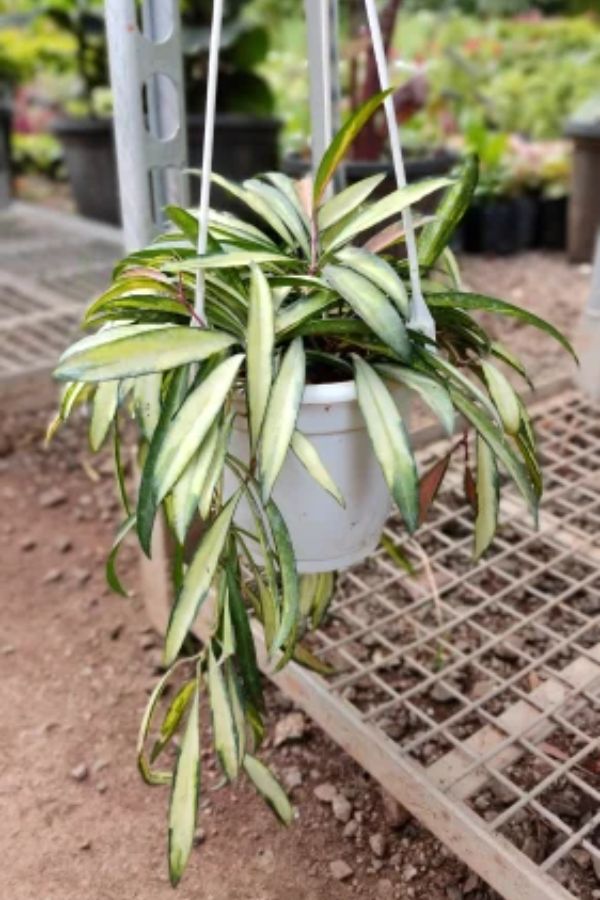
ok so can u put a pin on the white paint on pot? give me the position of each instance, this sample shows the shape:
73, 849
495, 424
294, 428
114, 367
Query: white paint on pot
325, 535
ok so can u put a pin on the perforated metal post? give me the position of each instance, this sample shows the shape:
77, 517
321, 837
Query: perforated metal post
149, 111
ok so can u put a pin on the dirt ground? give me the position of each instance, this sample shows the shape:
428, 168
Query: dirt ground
77, 663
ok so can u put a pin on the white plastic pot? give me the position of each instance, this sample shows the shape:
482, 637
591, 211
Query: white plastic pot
325, 535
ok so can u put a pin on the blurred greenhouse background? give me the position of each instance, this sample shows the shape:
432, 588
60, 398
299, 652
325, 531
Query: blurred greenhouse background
510, 80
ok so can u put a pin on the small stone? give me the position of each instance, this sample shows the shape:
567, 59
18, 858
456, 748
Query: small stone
85, 845
340, 870
291, 728
596, 866
52, 576
80, 772
471, 884
292, 778
6, 445
441, 694
377, 845
7, 650
63, 544
148, 642
102, 787
350, 829
80, 576
28, 544
326, 792
51, 498
100, 764
394, 813
385, 888
508, 651
199, 836
342, 808
409, 872
116, 631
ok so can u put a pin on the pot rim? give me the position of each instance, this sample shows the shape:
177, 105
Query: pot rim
329, 392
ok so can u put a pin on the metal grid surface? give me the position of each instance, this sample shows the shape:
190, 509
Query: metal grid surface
51, 264
472, 691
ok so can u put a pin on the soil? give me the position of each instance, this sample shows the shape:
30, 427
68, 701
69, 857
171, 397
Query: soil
77, 664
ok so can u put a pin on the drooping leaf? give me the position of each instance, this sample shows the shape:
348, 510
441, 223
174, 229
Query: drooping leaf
471, 302
119, 470
454, 204
146, 402
183, 806
258, 205
288, 187
284, 209
185, 221
173, 717
499, 446
280, 417
104, 408
431, 391
488, 493
112, 578
429, 485
301, 310
391, 205
508, 357
389, 439
347, 201
322, 597
341, 143
217, 464
224, 731
191, 424
310, 459
372, 306
379, 272
125, 354
147, 503
290, 610
397, 554
304, 657
246, 652
259, 352
269, 788
503, 395
188, 488
197, 580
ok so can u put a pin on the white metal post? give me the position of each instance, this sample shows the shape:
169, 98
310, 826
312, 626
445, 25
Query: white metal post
318, 32
588, 338
147, 157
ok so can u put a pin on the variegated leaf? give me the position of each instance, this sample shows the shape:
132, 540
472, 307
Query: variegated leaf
310, 459
183, 806
259, 352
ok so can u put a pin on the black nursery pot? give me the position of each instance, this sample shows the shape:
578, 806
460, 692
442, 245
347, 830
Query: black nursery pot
551, 225
5, 167
500, 226
90, 159
243, 147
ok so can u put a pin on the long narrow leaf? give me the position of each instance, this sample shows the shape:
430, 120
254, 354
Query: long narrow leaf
379, 272
259, 353
310, 459
289, 579
504, 397
488, 492
104, 408
347, 201
183, 806
431, 391
224, 729
269, 788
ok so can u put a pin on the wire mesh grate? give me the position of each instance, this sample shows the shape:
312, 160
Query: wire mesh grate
485, 678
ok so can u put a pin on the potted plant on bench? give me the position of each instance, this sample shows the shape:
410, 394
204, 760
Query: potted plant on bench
277, 414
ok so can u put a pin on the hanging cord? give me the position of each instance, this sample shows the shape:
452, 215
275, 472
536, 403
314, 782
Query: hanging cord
420, 317
207, 149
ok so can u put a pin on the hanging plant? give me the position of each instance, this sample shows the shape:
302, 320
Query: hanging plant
303, 301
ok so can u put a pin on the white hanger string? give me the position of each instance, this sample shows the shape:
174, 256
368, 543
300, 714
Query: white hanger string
420, 317
207, 148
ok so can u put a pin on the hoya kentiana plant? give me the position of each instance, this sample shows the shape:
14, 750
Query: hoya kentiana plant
277, 419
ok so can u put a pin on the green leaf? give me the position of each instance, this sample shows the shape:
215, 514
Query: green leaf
379, 272
471, 302
310, 459
372, 306
234, 259
290, 589
104, 408
391, 205
119, 471
173, 717
246, 651
198, 579
303, 656
147, 503
431, 391
124, 354
280, 417
324, 586
390, 441
435, 237
259, 350
112, 578
284, 209
504, 397
507, 356
188, 489
258, 205
217, 464
237, 706
347, 201
296, 313
183, 806
269, 788
342, 143
185, 221
146, 402
224, 731
191, 424
456, 378
498, 444
397, 555
488, 494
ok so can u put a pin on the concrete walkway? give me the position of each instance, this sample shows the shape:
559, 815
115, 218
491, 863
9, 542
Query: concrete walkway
51, 264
